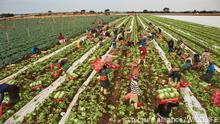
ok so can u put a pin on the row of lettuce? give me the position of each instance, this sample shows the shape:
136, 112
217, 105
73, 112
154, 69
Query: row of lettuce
10, 69
19, 36
95, 107
41, 72
198, 38
200, 88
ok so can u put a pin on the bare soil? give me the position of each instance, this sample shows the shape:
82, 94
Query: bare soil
113, 98
31, 16
7, 27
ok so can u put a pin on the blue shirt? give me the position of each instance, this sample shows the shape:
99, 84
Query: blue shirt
35, 50
211, 68
3, 87
114, 43
142, 42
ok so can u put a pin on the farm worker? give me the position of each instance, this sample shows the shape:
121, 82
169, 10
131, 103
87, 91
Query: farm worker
94, 31
115, 31
186, 54
139, 28
196, 60
209, 73
159, 33
102, 32
107, 34
101, 41
107, 27
175, 74
130, 44
180, 49
108, 58
188, 63
205, 57
134, 91
13, 93
123, 33
63, 63
61, 38
150, 24
159, 30
35, 51
88, 34
153, 35
150, 36
163, 112
128, 37
122, 28
143, 41
80, 42
135, 70
143, 53
140, 36
108, 61
114, 43
170, 45
120, 37
60, 66
91, 37
124, 48
104, 78
179, 41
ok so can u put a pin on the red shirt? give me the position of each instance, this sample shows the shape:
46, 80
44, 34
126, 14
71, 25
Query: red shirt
143, 51
60, 37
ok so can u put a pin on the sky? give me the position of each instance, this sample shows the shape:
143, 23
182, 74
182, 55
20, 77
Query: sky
37, 6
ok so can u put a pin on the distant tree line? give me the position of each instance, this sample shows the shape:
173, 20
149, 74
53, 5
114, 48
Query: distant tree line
6, 15
106, 12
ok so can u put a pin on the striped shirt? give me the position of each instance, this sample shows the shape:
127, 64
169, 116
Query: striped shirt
134, 86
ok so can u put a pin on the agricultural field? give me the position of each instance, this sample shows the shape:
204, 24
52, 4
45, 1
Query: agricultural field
76, 97
19, 36
16, 43
196, 84
196, 36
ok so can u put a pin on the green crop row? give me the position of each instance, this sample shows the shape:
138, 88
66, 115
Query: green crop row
16, 43
196, 84
191, 42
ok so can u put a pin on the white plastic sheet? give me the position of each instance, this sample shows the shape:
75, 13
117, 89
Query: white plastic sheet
82, 88
198, 114
82, 59
5, 80
132, 23
29, 107
142, 23
186, 47
75, 98
162, 55
190, 100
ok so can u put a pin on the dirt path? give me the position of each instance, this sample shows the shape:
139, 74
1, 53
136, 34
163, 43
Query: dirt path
113, 97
